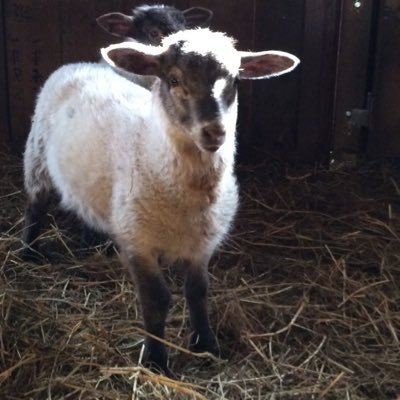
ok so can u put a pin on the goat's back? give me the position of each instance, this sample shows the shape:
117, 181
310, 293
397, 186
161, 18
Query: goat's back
86, 117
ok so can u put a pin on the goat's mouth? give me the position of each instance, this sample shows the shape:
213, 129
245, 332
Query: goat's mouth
212, 148
212, 144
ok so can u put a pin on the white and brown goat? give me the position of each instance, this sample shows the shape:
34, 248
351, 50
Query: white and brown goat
152, 169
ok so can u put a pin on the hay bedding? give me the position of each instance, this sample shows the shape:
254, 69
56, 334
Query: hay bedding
304, 297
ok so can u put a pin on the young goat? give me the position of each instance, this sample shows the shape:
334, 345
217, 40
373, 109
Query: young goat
152, 169
149, 24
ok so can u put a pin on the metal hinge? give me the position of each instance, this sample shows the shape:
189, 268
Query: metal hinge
360, 117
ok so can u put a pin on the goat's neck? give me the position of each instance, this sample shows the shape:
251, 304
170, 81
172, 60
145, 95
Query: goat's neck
197, 172
200, 173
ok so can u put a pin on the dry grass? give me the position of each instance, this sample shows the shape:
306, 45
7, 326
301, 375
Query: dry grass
305, 300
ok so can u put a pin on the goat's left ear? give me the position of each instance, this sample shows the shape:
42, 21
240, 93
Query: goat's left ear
116, 23
197, 17
266, 64
133, 57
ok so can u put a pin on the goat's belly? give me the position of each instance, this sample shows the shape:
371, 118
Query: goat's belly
84, 186
174, 232
179, 237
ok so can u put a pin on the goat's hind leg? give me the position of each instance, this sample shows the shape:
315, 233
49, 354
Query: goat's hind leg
35, 214
38, 189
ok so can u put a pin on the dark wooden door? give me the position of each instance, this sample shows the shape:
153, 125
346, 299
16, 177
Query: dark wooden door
367, 91
384, 136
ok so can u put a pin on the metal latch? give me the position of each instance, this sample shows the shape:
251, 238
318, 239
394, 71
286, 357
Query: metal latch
360, 117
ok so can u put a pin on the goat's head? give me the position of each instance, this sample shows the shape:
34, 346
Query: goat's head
149, 24
199, 71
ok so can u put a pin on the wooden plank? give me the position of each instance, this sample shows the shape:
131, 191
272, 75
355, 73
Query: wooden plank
78, 31
235, 17
32, 52
351, 78
384, 138
81, 37
315, 112
278, 26
4, 106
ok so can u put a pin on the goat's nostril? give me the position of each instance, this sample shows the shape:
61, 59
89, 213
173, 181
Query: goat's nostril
213, 133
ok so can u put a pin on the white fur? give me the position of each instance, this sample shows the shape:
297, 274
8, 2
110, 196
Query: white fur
107, 147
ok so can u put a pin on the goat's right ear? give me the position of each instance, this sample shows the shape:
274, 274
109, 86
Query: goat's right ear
266, 64
117, 24
136, 58
197, 17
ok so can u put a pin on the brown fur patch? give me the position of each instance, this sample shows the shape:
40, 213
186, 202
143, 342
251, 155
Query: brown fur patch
201, 176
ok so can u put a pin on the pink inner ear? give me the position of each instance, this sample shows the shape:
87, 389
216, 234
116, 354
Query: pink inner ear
255, 67
116, 23
268, 65
134, 61
273, 64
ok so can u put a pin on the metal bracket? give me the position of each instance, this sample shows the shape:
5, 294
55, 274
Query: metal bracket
360, 117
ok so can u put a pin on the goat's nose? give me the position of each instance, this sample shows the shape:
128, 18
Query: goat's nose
213, 133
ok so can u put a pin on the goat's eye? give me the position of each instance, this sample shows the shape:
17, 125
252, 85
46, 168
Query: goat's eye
155, 33
173, 81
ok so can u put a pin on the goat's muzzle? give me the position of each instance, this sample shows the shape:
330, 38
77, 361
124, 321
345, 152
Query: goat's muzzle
213, 136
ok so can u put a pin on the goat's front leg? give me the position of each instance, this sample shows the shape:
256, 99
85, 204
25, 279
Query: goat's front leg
196, 288
155, 298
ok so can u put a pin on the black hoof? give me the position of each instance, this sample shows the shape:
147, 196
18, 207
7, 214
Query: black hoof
158, 369
204, 343
32, 255
156, 360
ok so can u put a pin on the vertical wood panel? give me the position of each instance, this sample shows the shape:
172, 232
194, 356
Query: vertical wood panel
384, 137
351, 79
32, 54
78, 31
278, 26
315, 115
4, 107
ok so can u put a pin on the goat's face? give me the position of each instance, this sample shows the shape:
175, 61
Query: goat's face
198, 71
149, 24
199, 96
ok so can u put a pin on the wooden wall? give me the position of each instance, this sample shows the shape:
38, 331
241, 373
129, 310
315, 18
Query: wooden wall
286, 117
384, 138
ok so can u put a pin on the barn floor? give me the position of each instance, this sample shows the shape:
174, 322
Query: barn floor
305, 299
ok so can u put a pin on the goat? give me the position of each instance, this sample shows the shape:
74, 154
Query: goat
149, 24
155, 170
